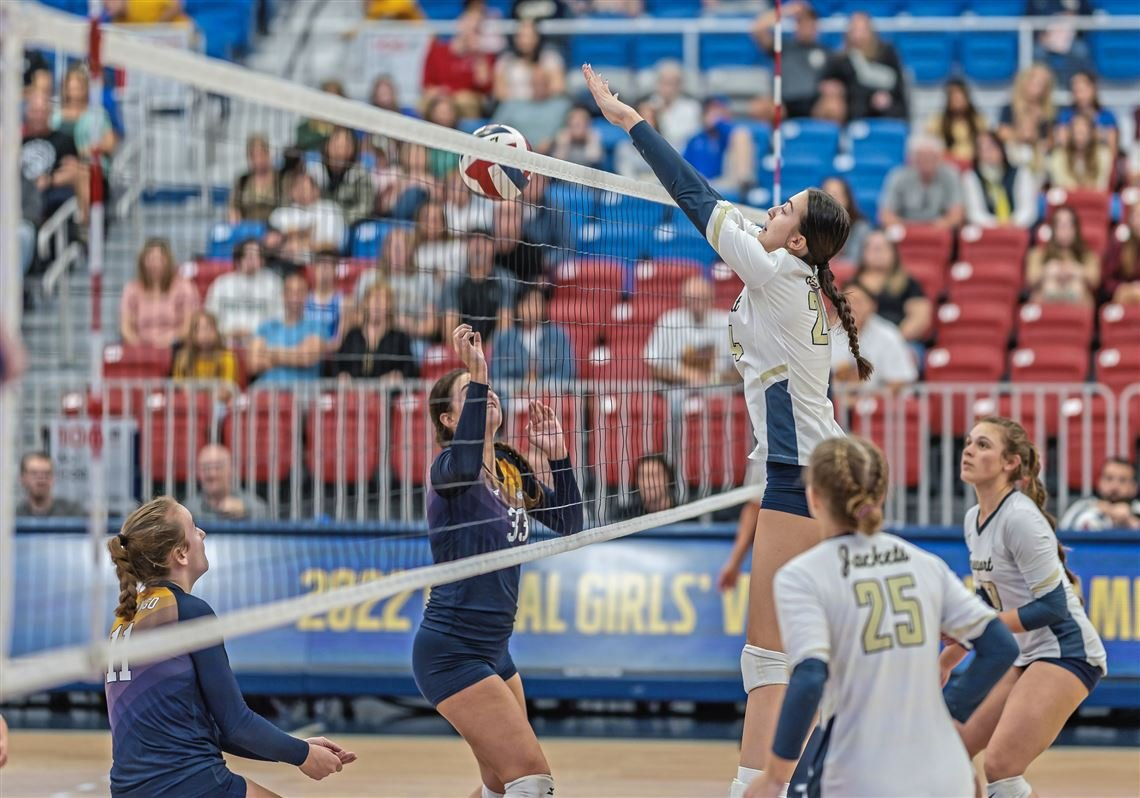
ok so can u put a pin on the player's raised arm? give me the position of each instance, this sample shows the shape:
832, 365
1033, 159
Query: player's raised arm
459, 464
561, 507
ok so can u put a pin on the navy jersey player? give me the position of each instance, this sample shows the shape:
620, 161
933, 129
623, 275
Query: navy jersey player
861, 615
1019, 569
171, 720
481, 498
778, 334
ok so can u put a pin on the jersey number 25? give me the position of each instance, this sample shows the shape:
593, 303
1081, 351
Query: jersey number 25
910, 631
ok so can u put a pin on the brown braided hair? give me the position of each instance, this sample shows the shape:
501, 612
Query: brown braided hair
825, 226
850, 475
141, 550
1027, 478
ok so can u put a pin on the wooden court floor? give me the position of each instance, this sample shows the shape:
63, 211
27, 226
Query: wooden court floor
74, 765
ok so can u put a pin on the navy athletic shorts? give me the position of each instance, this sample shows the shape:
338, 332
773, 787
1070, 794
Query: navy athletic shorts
444, 664
1090, 675
784, 491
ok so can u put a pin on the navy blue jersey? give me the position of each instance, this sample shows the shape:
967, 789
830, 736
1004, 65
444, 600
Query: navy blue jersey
469, 515
171, 720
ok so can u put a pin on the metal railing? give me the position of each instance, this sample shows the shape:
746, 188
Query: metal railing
360, 451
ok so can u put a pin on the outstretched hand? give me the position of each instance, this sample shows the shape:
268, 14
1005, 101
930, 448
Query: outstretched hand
468, 344
613, 109
544, 431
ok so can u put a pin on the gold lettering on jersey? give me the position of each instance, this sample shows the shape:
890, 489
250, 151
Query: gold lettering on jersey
813, 282
875, 556
982, 565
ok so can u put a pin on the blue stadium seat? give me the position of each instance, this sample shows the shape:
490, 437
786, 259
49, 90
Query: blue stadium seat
648, 50
1116, 54
761, 136
673, 8
443, 9
929, 55
627, 210
796, 175
1115, 6
996, 8
810, 139
680, 241
882, 140
610, 134
600, 50
224, 236
876, 8
368, 237
571, 198
989, 57
728, 50
225, 24
611, 240
933, 8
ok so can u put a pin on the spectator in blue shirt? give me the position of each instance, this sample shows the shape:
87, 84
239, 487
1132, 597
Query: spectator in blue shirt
1086, 102
535, 350
288, 350
325, 305
722, 152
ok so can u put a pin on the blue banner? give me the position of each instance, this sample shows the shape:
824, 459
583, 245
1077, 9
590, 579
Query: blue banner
639, 617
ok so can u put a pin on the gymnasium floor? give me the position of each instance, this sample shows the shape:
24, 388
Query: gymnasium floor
73, 764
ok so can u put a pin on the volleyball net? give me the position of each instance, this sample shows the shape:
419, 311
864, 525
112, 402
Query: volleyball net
277, 285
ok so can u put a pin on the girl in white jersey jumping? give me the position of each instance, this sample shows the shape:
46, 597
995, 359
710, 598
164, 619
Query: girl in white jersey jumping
1019, 569
779, 338
861, 616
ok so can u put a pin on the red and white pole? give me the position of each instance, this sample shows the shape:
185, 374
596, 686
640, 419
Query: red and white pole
778, 100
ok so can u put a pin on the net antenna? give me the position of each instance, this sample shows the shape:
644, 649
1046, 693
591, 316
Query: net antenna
778, 101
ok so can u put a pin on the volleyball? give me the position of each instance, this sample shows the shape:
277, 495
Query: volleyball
495, 180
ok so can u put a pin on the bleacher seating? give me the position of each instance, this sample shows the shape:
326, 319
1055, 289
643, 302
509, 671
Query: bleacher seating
136, 362
350, 417
1055, 324
267, 418
1050, 363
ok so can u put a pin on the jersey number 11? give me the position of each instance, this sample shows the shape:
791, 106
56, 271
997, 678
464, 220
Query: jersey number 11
124, 674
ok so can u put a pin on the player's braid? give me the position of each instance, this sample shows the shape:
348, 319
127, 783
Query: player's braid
850, 475
128, 581
846, 318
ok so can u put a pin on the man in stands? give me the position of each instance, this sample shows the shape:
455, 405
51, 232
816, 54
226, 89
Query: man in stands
38, 481
678, 116
484, 296
48, 158
287, 350
247, 297
216, 499
1114, 505
688, 345
926, 190
804, 58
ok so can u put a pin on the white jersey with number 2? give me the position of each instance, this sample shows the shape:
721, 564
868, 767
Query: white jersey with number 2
872, 609
778, 332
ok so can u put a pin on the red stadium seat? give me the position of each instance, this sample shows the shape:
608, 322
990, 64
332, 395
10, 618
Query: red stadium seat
413, 444
203, 273
931, 276
923, 243
982, 323
1118, 368
1093, 209
844, 271
261, 432
344, 430
1120, 326
596, 274
440, 359
974, 365
624, 426
621, 360
1054, 323
175, 425
1006, 245
1073, 438
135, 362
348, 272
1054, 363
994, 280
866, 415
663, 278
716, 439
727, 286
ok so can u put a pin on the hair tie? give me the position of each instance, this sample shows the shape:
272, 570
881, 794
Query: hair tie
122, 540
864, 511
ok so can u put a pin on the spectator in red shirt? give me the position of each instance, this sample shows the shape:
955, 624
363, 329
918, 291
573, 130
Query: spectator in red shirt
460, 68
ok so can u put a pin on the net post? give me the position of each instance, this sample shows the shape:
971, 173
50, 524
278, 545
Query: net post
97, 512
778, 102
11, 295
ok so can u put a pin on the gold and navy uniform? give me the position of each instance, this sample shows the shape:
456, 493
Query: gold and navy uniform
171, 720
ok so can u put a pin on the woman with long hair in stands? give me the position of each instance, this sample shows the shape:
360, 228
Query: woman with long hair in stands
1019, 569
204, 356
481, 498
778, 334
1122, 263
1082, 161
1062, 268
171, 720
156, 306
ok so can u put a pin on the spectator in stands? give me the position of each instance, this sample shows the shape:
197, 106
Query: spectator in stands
442, 111
528, 54
539, 118
156, 306
996, 193
1059, 45
257, 192
384, 96
376, 348
484, 296
308, 223
1025, 125
48, 157
1061, 268
1122, 264
247, 297
624, 8
1086, 102
216, 499
627, 160
871, 71
31, 211
404, 186
804, 58
678, 115
288, 349
926, 189
879, 341
37, 478
311, 133
342, 179
146, 12
654, 488
91, 131
438, 251
403, 10
463, 208
458, 67
958, 123
1082, 161
578, 141
831, 105
840, 191
519, 250
535, 349
1113, 505
204, 355
414, 292
688, 345
325, 305
899, 299
722, 151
